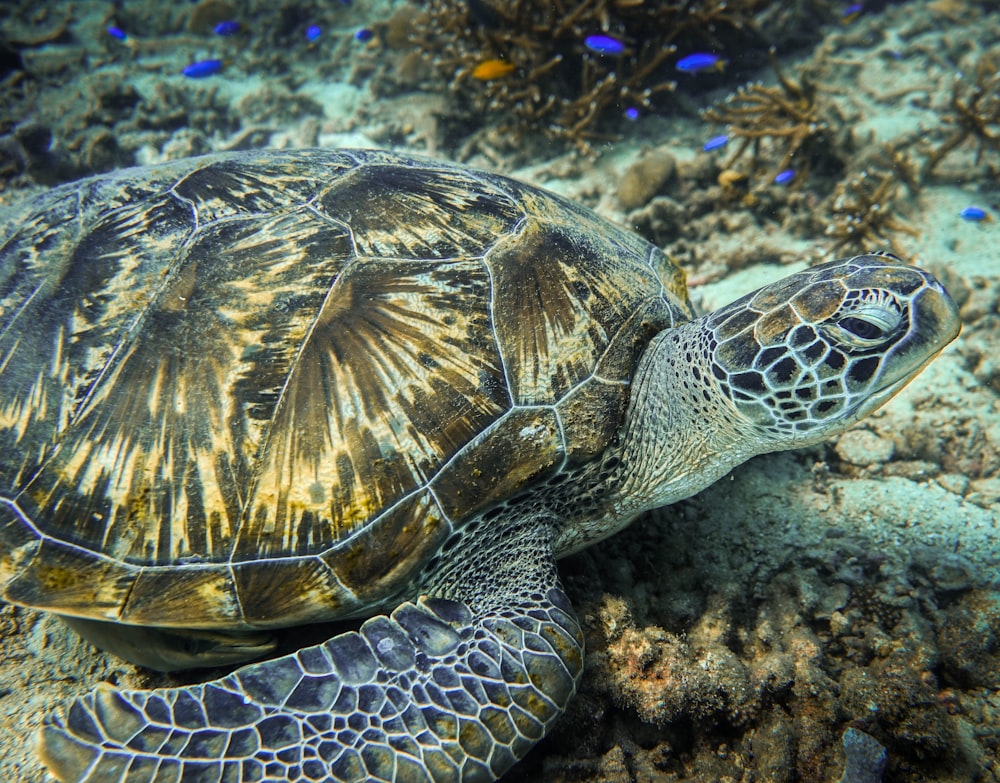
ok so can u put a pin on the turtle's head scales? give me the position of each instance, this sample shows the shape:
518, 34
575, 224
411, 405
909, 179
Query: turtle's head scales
789, 365
806, 357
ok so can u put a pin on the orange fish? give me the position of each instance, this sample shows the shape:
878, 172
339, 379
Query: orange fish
488, 70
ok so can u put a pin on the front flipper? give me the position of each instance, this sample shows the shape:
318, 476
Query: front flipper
455, 687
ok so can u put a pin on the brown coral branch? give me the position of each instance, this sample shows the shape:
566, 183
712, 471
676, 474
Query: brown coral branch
791, 115
975, 115
862, 215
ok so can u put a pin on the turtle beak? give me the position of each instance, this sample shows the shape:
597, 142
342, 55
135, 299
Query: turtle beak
934, 321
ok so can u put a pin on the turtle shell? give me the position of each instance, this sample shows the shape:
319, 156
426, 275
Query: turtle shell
260, 389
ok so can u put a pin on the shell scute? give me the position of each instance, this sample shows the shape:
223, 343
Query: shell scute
233, 187
419, 212
162, 450
555, 316
66, 578
619, 358
266, 601
200, 595
19, 543
379, 561
590, 416
72, 301
524, 447
363, 420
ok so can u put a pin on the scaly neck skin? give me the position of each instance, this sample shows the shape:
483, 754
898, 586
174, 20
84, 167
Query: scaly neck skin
681, 434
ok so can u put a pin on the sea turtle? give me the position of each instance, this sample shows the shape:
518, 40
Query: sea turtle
261, 389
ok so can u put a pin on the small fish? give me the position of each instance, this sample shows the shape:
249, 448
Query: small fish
313, 32
974, 214
117, 32
784, 177
700, 61
492, 69
851, 13
603, 44
229, 27
364, 35
714, 143
632, 113
202, 68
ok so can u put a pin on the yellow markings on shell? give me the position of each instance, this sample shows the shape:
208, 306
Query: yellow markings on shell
57, 578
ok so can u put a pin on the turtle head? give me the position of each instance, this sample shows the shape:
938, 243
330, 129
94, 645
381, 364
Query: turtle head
804, 358
789, 365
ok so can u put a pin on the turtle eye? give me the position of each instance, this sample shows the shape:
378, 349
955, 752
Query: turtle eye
870, 323
860, 327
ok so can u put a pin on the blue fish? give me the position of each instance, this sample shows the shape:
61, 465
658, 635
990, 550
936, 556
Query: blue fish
603, 44
631, 113
117, 32
313, 32
229, 27
974, 214
700, 61
364, 35
202, 68
715, 142
784, 177
851, 13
